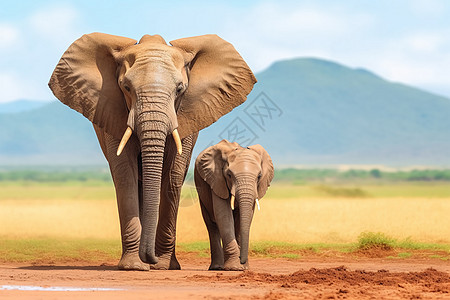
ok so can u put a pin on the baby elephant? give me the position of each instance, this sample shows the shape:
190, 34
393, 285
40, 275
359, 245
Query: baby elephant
230, 179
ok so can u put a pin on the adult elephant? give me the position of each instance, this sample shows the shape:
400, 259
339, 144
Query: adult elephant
136, 94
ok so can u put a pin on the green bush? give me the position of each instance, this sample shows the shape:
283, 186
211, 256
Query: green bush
342, 191
291, 175
326, 175
375, 240
55, 175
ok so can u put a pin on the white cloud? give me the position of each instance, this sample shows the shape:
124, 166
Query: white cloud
9, 35
15, 87
428, 42
24, 74
56, 24
273, 18
400, 69
415, 70
428, 8
418, 58
273, 31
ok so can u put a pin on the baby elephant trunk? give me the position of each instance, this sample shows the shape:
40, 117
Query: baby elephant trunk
245, 196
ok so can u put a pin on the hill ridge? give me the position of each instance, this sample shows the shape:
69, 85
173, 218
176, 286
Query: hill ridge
321, 113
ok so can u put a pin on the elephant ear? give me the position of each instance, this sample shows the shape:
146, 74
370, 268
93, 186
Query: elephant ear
210, 163
85, 80
266, 170
219, 80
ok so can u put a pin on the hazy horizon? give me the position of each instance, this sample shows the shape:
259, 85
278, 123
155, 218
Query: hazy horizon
402, 41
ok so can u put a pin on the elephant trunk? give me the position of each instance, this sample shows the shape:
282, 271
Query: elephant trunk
152, 127
245, 196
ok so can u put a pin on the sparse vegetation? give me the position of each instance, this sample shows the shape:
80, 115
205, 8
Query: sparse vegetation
290, 255
373, 175
444, 258
404, 255
59, 250
63, 218
342, 191
55, 175
378, 240
107, 251
199, 246
289, 175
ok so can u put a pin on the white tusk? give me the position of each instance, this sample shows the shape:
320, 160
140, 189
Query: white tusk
232, 202
176, 138
123, 142
257, 203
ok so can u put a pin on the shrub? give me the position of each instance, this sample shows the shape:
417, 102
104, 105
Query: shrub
342, 191
375, 240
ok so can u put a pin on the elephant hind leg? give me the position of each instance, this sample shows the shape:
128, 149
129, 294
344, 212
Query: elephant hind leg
215, 245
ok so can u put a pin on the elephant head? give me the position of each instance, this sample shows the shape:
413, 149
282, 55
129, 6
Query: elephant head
152, 90
239, 174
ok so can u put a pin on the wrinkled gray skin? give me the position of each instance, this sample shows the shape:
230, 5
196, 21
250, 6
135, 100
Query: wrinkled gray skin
221, 171
127, 177
151, 88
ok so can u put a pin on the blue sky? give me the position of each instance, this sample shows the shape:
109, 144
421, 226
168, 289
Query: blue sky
404, 41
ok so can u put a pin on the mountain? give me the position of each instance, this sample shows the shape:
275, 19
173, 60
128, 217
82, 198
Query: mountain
20, 106
50, 135
326, 113
304, 111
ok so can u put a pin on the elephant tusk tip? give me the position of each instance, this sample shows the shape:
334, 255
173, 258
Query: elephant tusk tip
177, 140
125, 138
257, 203
232, 202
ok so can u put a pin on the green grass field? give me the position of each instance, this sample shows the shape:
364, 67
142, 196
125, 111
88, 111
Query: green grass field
79, 220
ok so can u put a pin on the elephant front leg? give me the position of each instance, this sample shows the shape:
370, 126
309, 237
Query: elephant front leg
124, 171
215, 245
224, 219
174, 172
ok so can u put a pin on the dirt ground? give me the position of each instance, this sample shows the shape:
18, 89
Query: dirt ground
269, 278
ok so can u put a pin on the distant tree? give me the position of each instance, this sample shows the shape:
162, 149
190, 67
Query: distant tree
375, 173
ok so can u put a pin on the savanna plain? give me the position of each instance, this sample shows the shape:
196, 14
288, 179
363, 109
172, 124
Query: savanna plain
326, 237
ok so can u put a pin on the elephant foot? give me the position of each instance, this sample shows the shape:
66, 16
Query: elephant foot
131, 261
215, 267
232, 260
166, 262
234, 264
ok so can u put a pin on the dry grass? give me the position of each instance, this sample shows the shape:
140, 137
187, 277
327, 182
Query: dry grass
59, 218
336, 220
78, 211
342, 220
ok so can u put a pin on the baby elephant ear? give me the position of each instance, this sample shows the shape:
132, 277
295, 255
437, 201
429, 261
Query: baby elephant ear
266, 170
210, 163
219, 80
85, 80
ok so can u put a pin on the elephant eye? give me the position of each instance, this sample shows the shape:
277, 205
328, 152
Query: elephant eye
180, 88
127, 88
259, 176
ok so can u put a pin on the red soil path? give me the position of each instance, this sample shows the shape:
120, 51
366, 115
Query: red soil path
306, 278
